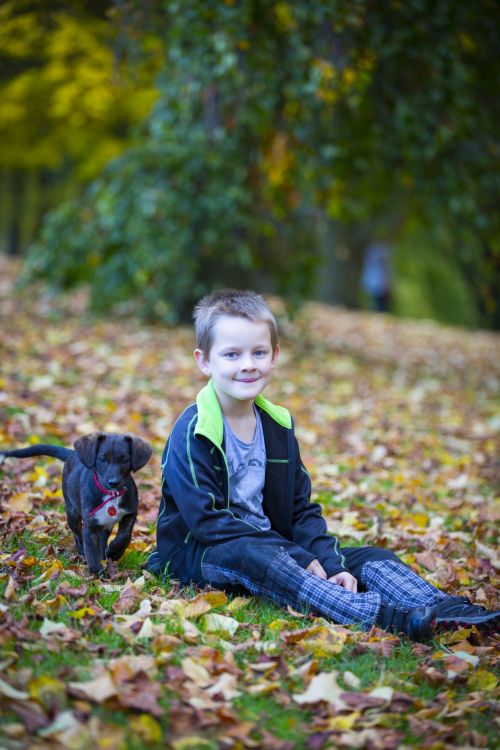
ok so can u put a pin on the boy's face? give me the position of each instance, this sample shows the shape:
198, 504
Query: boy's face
240, 361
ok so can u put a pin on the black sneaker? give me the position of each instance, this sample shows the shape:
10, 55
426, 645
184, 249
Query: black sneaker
416, 623
457, 610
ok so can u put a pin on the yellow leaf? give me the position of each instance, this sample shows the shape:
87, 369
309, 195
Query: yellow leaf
42, 688
39, 476
204, 603
20, 503
343, 723
147, 728
54, 605
138, 545
454, 636
29, 561
53, 571
325, 642
216, 598
482, 680
78, 614
263, 687
277, 625
238, 603
420, 519
463, 577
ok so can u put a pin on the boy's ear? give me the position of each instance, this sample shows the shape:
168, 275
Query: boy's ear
202, 361
276, 354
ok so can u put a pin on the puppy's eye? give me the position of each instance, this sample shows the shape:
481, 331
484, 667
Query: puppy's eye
102, 460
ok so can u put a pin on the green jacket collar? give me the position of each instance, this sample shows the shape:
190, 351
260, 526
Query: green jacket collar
210, 423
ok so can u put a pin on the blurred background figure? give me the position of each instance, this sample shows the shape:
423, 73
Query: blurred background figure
376, 277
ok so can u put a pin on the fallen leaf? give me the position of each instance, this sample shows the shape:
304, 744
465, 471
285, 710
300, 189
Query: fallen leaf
325, 642
225, 687
384, 692
351, 680
323, 687
204, 603
11, 692
20, 502
238, 603
146, 728
343, 723
214, 623
482, 680
128, 600
10, 590
97, 690
195, 671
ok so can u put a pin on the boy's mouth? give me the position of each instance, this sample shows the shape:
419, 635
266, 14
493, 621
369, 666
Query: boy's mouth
247, 380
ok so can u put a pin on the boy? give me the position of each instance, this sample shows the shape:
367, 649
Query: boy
236, 510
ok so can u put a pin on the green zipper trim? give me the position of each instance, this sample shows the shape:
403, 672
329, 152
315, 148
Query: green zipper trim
210, 422
337, 552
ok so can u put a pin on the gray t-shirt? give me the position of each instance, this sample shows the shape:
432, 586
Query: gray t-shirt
247, 470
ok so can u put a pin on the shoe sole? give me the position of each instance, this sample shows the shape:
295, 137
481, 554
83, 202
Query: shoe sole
485, 624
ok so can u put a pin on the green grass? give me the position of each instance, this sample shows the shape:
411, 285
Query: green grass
274, 712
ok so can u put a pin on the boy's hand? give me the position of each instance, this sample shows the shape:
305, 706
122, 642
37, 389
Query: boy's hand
346, 580
316, 569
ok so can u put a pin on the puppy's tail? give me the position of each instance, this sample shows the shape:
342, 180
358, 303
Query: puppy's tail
56, 451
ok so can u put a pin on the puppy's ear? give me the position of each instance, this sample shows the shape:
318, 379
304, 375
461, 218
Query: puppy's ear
140, 452
86, 448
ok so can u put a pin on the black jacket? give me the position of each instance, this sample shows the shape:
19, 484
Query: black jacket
196, 495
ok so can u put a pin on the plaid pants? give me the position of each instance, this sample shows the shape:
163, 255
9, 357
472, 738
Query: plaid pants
277, 576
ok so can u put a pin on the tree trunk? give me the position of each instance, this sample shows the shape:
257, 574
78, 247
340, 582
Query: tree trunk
14, 222
340, 272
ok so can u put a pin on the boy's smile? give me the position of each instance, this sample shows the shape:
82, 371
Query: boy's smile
240, 361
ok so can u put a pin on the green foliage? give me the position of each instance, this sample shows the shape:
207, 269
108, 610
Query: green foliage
430, 285
273, 118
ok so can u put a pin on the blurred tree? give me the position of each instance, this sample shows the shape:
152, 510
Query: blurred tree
68, 99
280, 130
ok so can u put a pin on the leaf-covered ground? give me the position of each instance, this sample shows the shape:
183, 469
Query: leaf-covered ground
399, 428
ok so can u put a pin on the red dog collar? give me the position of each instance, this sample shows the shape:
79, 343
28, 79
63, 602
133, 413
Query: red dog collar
108, 496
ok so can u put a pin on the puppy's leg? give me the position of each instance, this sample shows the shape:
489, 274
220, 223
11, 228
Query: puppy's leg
91, 547
122, 538
75, 524
102, 540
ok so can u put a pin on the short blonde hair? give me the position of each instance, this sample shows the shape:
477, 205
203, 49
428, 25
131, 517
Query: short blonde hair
236, 303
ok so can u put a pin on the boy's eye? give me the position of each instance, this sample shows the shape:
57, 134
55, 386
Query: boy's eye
230, 355
261, 353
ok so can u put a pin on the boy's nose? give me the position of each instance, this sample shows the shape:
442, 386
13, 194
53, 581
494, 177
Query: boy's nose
248, 363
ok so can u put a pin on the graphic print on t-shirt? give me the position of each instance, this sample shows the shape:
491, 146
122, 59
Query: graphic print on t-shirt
247, 470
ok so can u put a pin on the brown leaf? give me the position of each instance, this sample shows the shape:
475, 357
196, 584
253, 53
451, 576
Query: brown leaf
128, 600
204, 603
141, 693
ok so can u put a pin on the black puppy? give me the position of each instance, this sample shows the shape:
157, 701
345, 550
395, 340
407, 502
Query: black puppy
98, 490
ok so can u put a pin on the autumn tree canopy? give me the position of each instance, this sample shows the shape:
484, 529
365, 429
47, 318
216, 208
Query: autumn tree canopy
275, 121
